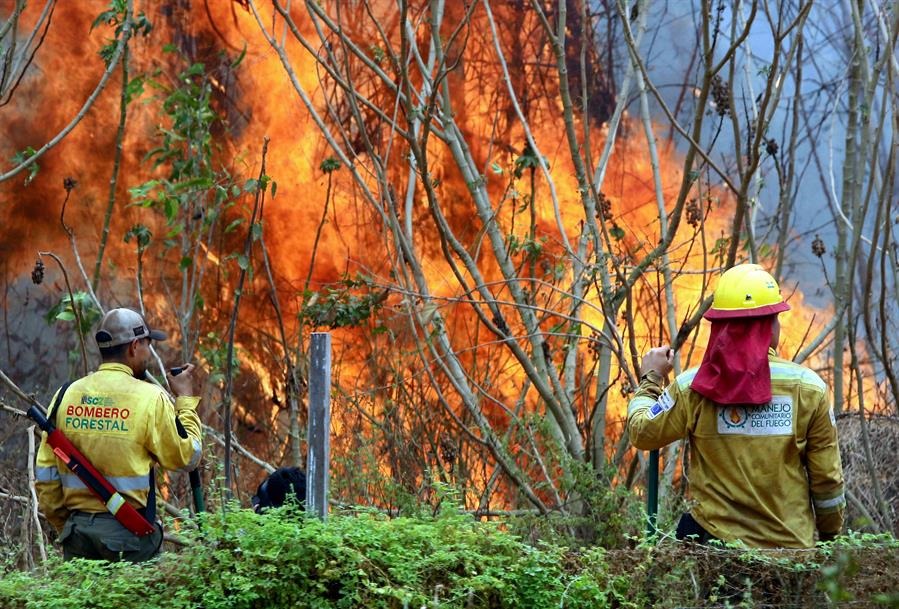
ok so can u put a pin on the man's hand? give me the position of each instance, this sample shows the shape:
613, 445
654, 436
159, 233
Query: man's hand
181, 380
659, 360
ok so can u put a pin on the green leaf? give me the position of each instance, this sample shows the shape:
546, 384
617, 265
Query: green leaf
201, 182
377, 53
617, 233
330, 164
105, 17
557, 328
141, 192
67, 315
186, 263
240, 57
142, 25
274, 188
256, 231
134, 89
233, 225
139, 233
171, 209
20, 158
196, 69
243, 262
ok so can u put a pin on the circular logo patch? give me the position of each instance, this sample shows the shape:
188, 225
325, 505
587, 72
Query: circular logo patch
734, 416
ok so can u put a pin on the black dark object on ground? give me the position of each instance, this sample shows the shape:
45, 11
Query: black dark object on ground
283, 485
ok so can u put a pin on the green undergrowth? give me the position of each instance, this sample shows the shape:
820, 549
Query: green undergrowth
243, 560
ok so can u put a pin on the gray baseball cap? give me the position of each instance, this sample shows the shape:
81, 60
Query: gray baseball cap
121, 326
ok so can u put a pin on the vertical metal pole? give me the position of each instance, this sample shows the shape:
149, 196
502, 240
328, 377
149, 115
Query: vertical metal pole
319, 444
652, 491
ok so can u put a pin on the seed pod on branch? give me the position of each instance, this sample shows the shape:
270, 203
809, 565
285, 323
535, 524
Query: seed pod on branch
37, 273
694, 213
818, 248
720, 96
604, 206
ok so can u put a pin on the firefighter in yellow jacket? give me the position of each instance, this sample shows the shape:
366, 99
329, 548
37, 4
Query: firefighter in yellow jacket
123, 425
764, 460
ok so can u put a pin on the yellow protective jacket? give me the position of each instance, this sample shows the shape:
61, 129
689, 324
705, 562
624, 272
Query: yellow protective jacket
767, 475
123, 426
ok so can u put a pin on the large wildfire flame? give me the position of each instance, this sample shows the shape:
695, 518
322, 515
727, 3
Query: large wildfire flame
259, 101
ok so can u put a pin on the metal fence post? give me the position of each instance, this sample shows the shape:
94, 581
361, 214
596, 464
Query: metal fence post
319, 433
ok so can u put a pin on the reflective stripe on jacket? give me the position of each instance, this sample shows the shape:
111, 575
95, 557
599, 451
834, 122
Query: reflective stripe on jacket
123, 426
767, 475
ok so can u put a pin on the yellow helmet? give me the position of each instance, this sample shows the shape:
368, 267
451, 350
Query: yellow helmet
746, 290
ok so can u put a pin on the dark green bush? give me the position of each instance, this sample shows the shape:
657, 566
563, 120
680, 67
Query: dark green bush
243, 560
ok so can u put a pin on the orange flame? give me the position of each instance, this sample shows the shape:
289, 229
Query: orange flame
352, 236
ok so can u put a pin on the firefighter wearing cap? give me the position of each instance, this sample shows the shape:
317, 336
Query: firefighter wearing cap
124, 426
764, 460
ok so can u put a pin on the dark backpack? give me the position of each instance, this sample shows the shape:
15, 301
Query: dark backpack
283, 485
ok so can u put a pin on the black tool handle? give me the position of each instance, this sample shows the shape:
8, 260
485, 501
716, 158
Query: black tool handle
196, 488
35, 414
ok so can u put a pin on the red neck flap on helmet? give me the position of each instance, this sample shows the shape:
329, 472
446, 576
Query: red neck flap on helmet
735, 367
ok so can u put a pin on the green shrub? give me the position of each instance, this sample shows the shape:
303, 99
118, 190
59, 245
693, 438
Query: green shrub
282, 559
241, 560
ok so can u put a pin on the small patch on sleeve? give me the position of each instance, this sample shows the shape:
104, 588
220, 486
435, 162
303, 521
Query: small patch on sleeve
663, 404
833, 419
